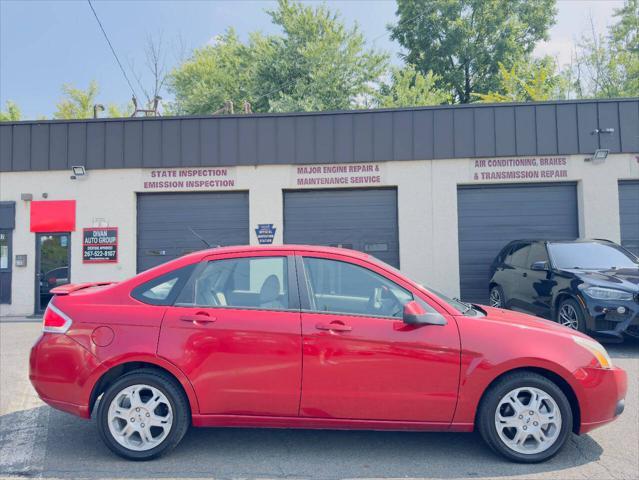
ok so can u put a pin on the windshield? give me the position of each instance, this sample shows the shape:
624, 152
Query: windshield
590, 256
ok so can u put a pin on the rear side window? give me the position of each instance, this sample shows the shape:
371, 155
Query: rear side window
164, 289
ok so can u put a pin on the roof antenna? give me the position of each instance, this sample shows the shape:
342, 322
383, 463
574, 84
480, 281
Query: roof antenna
201, 238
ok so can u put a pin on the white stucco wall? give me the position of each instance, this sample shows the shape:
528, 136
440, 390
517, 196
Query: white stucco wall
427, 208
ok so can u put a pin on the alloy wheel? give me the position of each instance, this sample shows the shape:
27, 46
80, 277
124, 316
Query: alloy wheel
495, 298
140, 417
528, 420
568, 316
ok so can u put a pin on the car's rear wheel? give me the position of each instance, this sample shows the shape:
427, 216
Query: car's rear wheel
143, 415
525, 417
496, 297
571, 315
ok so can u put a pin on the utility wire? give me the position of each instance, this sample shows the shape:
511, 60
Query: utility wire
112, 49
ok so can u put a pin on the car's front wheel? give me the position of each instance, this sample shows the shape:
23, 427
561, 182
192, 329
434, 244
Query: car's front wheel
496, 297
525, 417
571, 315
143, 415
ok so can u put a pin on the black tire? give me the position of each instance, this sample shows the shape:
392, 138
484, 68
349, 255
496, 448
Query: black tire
171, 390
490, 402
571, 303
497, 290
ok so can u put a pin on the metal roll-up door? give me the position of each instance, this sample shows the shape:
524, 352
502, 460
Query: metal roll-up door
359, 219
490, 216
222, 218
629, 214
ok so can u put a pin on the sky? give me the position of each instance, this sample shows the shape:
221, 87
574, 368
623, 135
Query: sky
44, 44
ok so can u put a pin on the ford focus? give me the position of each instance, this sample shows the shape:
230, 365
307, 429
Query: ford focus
312, 337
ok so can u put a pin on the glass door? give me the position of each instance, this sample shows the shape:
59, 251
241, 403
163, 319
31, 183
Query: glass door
52, 265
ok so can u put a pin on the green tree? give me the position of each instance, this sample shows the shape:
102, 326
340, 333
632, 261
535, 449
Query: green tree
79, 103
463, 41
607, 65
534, 81
212, 75
408, 88
12, 112
315, 64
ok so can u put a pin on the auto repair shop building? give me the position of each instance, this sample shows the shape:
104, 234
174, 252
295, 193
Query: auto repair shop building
435, 191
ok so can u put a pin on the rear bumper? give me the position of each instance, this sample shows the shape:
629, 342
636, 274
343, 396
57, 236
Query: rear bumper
602, 397
59, 369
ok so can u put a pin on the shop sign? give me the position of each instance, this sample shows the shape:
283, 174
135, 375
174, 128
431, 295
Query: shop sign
170, 179
527, 169
340, 175
265, 233
100, 245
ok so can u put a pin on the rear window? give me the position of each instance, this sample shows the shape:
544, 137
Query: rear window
164, 289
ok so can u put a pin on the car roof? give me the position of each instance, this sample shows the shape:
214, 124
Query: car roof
266, 248
577, 240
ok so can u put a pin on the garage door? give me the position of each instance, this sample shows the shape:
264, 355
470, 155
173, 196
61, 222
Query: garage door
490, 216
629, 214
164, 220
364, 220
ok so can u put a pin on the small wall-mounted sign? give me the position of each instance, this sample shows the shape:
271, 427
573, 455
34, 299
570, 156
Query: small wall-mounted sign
21, 260
100, 245
265, 233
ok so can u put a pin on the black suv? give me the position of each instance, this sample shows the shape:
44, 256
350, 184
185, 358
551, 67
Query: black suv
588, 285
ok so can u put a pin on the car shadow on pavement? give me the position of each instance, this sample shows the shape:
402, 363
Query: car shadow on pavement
46, 443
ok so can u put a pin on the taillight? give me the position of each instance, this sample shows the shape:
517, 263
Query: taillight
55, 321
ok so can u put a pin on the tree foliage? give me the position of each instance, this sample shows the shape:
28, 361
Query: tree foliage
536, 80
463, 41
607, 65
11, 113
315, 64
78, 103
408, 88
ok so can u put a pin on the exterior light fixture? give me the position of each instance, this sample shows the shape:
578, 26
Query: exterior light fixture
78, 172
599, 156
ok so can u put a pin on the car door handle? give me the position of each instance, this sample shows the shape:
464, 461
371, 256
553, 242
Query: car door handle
524, 274
198, 319
335, 327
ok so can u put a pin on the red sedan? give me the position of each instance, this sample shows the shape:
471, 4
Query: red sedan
312, 337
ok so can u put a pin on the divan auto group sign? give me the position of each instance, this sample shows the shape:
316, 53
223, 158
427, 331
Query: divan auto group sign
531, 168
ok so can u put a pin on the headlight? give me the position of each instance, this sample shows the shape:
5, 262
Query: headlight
601, 293
596, 349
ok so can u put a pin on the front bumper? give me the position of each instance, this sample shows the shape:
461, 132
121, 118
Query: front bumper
605, 321
602, 396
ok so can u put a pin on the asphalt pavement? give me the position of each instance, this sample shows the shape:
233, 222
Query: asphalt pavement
37, 441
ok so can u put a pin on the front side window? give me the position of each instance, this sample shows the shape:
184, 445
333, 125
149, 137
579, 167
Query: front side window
256, 282
342, 287
518, 256
537, 254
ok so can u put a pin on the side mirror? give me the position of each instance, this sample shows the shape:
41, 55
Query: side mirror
540, 266
414, 314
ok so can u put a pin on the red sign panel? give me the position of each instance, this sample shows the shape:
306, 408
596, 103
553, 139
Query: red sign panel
51, 216
100, 245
